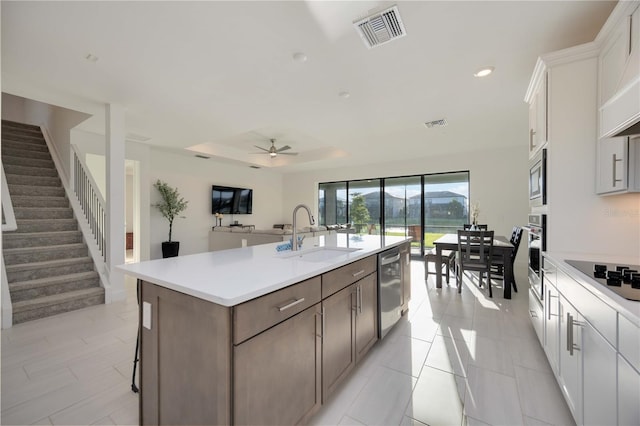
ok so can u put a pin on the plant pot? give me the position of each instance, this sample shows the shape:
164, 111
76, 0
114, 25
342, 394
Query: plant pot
170, 248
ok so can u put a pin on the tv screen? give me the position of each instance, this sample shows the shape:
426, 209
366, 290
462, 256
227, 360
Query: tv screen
230, 200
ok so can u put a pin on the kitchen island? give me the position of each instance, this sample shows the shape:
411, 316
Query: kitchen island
257, 336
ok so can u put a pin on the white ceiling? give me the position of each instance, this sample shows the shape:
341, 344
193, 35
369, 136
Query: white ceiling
220, 77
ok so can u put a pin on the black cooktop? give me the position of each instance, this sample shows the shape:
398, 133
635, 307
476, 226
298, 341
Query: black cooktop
621, 279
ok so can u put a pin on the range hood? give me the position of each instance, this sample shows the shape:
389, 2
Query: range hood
620, 115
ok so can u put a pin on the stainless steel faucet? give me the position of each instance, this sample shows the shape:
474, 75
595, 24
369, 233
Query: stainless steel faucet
294, 236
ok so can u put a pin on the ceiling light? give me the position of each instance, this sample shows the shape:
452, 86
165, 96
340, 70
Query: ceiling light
272, 154
91, 58
299, 57
483, 72
344, 94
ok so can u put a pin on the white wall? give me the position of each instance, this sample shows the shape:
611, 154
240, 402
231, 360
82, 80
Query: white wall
193, 177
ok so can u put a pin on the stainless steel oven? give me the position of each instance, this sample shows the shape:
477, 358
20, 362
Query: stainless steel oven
538, 179
536, 245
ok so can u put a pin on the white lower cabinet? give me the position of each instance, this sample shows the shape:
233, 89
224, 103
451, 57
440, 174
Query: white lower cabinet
594, 352
599, 379
551, 326
570, 368
628, 393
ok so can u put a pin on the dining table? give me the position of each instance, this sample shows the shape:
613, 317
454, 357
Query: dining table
501, 247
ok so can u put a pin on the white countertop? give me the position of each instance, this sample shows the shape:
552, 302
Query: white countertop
629, 308
230, 277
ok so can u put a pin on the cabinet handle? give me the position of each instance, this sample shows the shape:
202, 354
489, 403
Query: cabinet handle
549, 305
615, 160
548, 271
571, 346
533, 314
291, 304
360, 272
359, 294
323, 322
531, 144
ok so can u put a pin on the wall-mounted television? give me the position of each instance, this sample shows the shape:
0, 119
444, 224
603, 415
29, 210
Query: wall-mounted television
230, 200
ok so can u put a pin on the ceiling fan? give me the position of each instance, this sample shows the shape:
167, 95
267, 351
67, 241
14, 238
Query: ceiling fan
273, 151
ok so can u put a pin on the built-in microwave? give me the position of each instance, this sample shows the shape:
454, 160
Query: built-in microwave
538, 179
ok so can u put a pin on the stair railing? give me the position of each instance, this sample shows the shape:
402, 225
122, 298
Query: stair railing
91, 202
8, 216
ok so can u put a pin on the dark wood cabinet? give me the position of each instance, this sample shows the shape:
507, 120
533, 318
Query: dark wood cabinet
129, 241
277, 374
338, 354
350, 329
185, 372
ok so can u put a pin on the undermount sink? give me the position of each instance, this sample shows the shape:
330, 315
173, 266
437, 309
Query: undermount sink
318, 254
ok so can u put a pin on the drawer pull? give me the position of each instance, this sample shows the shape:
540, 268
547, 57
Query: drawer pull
571, 346
360, 272
289, 305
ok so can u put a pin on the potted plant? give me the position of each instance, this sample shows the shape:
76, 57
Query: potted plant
170, 207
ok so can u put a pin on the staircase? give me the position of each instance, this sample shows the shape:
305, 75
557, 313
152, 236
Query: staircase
48, 266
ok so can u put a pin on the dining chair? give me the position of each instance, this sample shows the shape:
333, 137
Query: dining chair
467, 227
448, 261
497, 262
475, 249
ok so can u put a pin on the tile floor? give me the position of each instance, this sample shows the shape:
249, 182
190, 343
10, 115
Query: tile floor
453, 360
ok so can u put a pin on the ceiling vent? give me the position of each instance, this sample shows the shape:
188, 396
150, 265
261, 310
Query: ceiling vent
436, 123
380, 27
204, 157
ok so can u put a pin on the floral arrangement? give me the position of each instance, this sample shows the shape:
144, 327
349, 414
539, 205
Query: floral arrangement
219, 217
475, 211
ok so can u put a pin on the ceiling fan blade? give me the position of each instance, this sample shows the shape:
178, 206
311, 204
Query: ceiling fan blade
284, 148
287, 153
264, 149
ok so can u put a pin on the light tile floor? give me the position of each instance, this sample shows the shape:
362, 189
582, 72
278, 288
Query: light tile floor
455, 359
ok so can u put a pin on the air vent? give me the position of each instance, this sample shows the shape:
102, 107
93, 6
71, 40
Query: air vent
202, 156
381, 28
436, 123
254, 167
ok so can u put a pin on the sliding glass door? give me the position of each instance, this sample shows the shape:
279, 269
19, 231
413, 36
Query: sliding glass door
365, 206
446, 204
402, 196
332, 203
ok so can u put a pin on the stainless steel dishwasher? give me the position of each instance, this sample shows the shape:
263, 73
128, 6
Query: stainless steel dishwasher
389, 290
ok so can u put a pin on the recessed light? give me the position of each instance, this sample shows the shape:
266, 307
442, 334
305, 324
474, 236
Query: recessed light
299, 57
344, 94
91, 57
483, 72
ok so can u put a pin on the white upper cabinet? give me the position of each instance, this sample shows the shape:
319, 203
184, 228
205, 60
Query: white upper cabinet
538, 111
618, 165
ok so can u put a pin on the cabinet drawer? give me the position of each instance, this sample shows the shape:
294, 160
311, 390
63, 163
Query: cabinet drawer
593, 309
537, 315
254, 316
338, 279
628, 341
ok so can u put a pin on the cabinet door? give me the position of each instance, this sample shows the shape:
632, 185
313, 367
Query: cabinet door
405, 259
599, 378
277, 374
628, 393
570, 357
552, 324
538, 126
366, 315
338, 352
612, 165
178, 385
